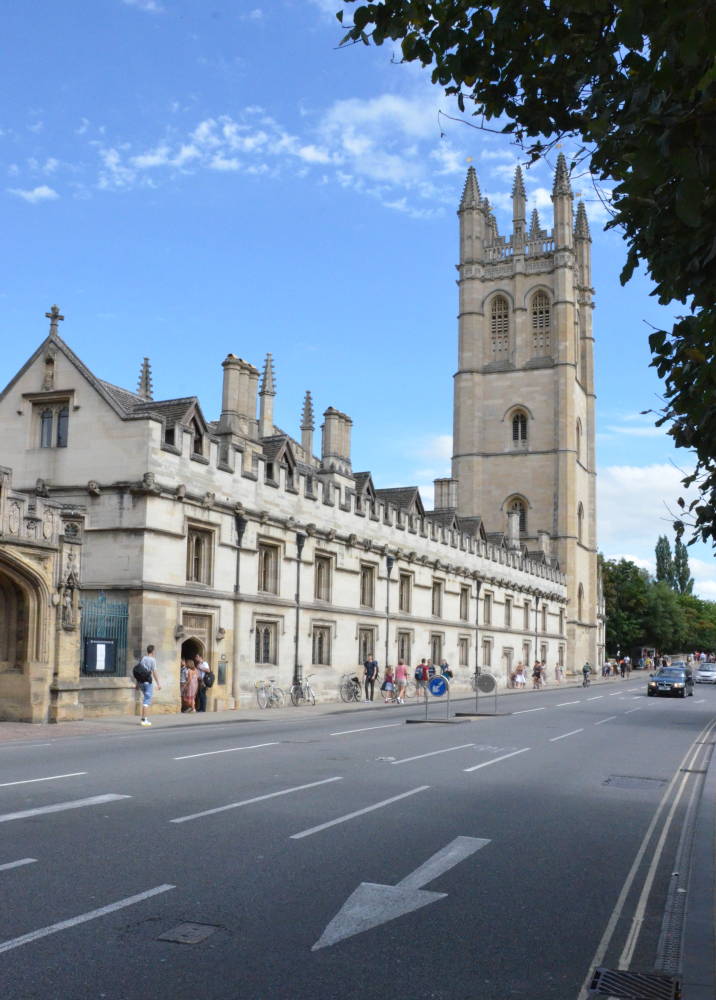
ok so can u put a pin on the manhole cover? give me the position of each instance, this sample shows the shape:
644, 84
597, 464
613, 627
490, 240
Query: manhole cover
634, 985
632, 781
188, 933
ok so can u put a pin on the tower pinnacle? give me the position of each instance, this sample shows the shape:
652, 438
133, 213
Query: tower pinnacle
581, 228
307, 421
518, 184
268, 382
145, 388
471, 192
561, 178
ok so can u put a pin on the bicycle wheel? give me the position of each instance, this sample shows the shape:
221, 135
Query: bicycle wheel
262, 697
296, 695
346, 691
356, 691
310, 695
278, 698
410, 689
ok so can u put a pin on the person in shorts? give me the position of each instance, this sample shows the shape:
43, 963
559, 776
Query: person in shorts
147, 687
401, 681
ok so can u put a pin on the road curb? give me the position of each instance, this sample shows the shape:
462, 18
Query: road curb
699, 954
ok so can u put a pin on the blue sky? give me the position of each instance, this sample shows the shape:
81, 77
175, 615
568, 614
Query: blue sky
187, 179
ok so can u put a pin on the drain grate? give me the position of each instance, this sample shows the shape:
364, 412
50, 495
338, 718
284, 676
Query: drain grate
633, 781
634, 985
188, 933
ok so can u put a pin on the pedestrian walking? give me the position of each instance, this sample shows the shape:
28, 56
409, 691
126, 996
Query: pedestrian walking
202, 669
401, 682
147, 687
520, 678
445, 669
388, 685
370, 676
536, 676
622, 668
421, 676
189, 687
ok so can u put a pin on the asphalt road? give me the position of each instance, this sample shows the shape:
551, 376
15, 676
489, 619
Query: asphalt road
352, 855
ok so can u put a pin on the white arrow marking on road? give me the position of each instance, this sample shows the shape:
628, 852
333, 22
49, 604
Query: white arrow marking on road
372, 905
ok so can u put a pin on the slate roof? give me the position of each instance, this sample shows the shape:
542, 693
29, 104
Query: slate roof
446, 518
405, 498
362, 480
170, 410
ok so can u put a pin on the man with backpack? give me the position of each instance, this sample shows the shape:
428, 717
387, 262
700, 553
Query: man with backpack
206, 679
145, 674
421, 675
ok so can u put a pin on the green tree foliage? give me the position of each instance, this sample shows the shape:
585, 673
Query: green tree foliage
683, 581
637, 82
664, 561
626, 599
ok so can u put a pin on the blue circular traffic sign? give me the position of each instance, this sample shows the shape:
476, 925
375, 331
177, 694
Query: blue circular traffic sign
437, 686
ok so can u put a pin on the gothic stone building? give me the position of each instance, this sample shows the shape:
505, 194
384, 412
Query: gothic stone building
128, 520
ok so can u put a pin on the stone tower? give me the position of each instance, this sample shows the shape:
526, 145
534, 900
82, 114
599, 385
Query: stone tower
524, 388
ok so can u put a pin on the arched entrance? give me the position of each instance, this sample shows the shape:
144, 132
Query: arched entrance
190, 647
14, 624
25, 674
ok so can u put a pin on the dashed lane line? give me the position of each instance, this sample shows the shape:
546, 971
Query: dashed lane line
95, 800
602, 721
212, 753
596, 697
524, 711
365, 729
51, 777
565, 735
82, 918
249, 802
496, 760
561, 704
17, 864
433, 753
358, 812
631, 710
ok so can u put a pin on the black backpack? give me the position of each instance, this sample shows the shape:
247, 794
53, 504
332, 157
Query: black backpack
142, 674
209, 679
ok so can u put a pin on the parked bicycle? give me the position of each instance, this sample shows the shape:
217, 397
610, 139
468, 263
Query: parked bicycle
302, 691
268, 695
350, 689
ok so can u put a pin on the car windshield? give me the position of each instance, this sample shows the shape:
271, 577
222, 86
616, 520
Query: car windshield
671, 673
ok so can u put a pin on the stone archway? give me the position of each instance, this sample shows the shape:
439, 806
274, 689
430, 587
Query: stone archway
191, 646
25, 674
14, 624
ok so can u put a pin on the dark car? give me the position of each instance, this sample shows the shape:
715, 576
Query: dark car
677, 681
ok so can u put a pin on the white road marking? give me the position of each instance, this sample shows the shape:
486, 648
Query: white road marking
615, 694
523, 711
212, 753
17, 864
602, 721
96, 800
63, 925
52, 777
371, 905
700, 701
631, 710
248, 802
433, 753
346, 732
563, 703
495, 760
565, 735
24, 746
596, 697
358, 812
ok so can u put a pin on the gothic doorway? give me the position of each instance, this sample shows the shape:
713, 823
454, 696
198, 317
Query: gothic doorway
190, 647
14, 624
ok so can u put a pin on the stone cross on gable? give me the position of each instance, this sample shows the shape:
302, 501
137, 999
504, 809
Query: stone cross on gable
54, 316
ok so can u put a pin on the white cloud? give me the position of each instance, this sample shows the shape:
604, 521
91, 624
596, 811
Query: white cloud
41, 193
632, 430
36, 127
635, 505
150, 6
253, 15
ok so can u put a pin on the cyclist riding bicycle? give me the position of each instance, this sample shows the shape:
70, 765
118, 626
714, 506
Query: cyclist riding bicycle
586, 673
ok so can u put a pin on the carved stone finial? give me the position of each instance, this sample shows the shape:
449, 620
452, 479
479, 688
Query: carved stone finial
307, 418
561, 178
268, 381
535, 228
54, 317
518, 185
471, 191
581, 229
144, 386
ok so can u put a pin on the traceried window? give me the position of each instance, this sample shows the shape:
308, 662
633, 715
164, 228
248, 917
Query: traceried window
560, 656
561, 621
321, 645
437, 599
463, 651
405, 586
487, 652
580, 602
46, 418
519, 429
366, 644
436, 648
543, 652
265, 642
580, 523
500, 328
404, 647
53, 423
526, 612
544, 617
197, 438
268, 568
519, 505
367, 586
487, 609
541, 343
464, 603
508, 612
199, 553
322, 580
526, 652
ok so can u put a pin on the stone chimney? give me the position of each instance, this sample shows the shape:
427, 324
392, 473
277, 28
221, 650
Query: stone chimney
544, 542
336, 442
513, 529
238, 400
445, 494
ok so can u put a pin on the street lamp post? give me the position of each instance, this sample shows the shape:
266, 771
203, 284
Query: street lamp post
300, 541
389, 563
478, 587
240, 523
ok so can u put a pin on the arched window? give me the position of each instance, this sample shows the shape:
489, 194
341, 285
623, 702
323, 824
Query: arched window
63, 419
197, 438
46, 429
519, 505
580, 602
519, 429
580, 522
541, 341
579, 440
500, 328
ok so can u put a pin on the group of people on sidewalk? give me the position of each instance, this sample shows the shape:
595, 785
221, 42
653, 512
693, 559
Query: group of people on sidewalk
395, 681
518, 676
195, 676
